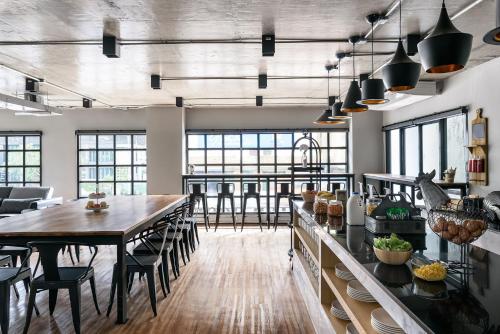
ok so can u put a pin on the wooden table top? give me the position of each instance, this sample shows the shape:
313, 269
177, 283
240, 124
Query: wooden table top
125, 213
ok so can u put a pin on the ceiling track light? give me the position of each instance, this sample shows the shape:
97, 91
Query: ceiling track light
110, 46
337, 113
326, 116
268, 45
179, 102
373, 90
445, 49
493, 36
262, 81
354, 93
258, 101
401, 73
87, 103
155, 81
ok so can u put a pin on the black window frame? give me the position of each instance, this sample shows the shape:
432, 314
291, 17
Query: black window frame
132, 149
22, 134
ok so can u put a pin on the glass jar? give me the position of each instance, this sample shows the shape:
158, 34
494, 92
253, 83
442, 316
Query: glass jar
372, 204
320, 205
335, 208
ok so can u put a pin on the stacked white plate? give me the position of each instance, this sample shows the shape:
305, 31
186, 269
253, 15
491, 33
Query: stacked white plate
342, 272
383, 323
338, 311
357, 291
350, 329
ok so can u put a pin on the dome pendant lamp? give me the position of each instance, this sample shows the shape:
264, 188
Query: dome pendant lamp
493, 36
325, 117
401, 73
372, 90
445, 49
354, 93
337, 113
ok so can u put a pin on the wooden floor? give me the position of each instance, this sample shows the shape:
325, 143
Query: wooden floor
236, 282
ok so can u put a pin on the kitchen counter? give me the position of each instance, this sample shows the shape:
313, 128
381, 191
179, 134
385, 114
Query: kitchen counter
417, 306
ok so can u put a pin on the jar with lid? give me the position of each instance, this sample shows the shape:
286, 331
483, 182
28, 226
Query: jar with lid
320, 205
335, 208
372, 204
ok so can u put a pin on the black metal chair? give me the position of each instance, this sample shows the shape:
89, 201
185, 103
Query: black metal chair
15, 252
147, 263
199, 195
191, 218
55, 278
252, 191
283, 193
9, 276
225, 190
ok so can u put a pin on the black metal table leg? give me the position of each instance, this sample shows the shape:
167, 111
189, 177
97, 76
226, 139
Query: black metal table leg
268, 204
121, 296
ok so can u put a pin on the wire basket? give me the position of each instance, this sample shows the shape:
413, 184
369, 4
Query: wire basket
457, 225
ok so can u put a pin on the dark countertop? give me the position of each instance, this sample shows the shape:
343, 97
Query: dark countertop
442, 307
409, 180
264, 175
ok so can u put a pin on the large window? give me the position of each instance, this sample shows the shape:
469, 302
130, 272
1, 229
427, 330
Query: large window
20, 159
261, 152
112, 162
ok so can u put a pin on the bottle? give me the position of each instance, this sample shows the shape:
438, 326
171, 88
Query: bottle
355, 210
480, 165
474, 164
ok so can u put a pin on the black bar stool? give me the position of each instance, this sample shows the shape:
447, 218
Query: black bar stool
253, 191
335, 186
225, 190
283, 193
197, 192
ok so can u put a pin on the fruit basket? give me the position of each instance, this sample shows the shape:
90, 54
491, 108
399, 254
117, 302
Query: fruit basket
454, 224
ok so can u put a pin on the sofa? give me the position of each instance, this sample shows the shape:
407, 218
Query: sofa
17, 200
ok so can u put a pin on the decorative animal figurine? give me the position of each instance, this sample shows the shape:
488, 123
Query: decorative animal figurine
434, 196
449, 175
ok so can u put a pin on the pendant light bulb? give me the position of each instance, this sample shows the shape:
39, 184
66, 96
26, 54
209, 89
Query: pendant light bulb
446, 49
354, 92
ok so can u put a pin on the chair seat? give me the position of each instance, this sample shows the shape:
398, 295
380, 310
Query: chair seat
145, 260
7, 274
143, 249
5, 260
68, 274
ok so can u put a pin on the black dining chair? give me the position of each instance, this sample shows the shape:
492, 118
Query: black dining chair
55, 278
9, 276
146, 264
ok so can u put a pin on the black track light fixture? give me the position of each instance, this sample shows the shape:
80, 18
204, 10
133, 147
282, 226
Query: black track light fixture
268, 45
87, 103
493, 36
263, 81
325, 117
155, 81
259, 101
372, 90
354, 93
401, 73
110, 46
337, 113
445, 49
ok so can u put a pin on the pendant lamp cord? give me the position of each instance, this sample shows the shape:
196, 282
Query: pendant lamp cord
339, 79
353, 58
373, 33
400, 5
328, 93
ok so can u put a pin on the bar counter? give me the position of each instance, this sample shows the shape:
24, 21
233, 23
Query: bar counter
461, 304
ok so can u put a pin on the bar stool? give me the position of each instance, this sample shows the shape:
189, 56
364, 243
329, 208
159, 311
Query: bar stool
335, 186
196, 193
225, 190
283, 193
253, 191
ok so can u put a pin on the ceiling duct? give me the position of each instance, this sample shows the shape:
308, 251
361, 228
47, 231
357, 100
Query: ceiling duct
26, 107
422, 91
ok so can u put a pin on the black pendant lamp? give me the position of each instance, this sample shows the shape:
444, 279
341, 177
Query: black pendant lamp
354, 93
372, 90
401, 73
493, 36
337, 113
324, 118
445, 49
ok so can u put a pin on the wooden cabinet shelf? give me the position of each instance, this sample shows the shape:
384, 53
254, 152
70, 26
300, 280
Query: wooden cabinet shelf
358, 312
309, 243
314, 281
338, 325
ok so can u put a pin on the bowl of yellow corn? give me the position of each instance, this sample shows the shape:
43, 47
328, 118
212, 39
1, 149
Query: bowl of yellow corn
431, 272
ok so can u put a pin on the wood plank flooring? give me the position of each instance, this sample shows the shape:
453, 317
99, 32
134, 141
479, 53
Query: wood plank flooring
236, 282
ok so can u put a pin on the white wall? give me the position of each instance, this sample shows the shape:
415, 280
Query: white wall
164, 132
477, 87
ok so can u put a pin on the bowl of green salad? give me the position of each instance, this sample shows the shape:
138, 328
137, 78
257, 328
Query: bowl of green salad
392, 250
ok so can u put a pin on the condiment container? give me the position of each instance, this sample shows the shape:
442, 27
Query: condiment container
320, 205
335, 208
355, 210
372, 204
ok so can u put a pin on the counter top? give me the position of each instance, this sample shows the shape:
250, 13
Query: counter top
264, 175
409, 180
418, 306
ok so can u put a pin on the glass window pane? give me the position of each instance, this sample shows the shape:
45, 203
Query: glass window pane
250, 169
123, 173
15, 143
106, 157
249, 156
87, 141
196, 141
3, 175
266, 156
15, 174
87, 157
394, 155
284, 156
338, 169
32, 142
2, 159
140, 157
232, 156
140, 141
140, 173
338, 139
123, 141
140, 188
232, 169
105, 141
412, 158
321, 137
123, 157
284, 140
2, 143
338, 155
267, 169
232, 141
214, 157
123, 188
431, 148
87, 173
455, 150
86, 188
15, 158
267, 140
214, 141
32, 174
106, 187
196, 157
32, 158
106, 174
249, 140
214, 169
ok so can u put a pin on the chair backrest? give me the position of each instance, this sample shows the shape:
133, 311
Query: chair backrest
225, 188
252, 188
196, 188
309, 186
284, 188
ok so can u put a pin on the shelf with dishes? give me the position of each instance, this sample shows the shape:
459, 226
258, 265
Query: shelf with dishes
309, 243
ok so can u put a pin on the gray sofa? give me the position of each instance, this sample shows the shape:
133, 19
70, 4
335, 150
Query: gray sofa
16, 200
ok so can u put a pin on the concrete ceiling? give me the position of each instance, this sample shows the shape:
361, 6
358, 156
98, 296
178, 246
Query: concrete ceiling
126, 80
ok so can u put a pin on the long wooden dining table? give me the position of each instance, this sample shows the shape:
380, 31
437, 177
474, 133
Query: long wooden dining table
71, 222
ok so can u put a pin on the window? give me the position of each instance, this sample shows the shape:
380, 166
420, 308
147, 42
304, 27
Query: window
412, 158
431, 148
245, 152
112, 162
395, 163
455, 150
20, 159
